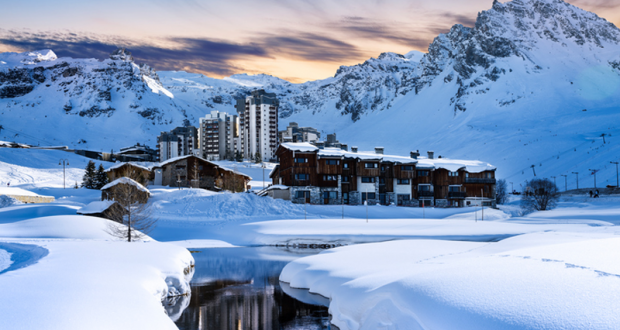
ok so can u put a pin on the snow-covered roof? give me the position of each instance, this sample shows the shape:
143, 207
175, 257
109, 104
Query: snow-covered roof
119, 165
175, 159
96, 207
14, 191
273, 170
453, 165
471, 166
126, 180
299, 146
276, 187
172, 160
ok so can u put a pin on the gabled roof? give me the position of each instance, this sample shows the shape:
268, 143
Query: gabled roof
119, 165
299, 146
126, 180
96, 207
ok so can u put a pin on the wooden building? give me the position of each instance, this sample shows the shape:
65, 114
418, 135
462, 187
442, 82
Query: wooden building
335, 176
102, 209
124, 188
138, 173
193, 171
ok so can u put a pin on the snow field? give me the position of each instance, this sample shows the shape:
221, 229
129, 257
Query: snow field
548, 280
5, 260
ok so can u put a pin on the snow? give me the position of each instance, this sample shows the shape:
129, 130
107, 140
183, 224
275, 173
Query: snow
202, 243
13, 191
299, 146
535, 281
125, 180
118, 165
96, 207
6, 201
5, 260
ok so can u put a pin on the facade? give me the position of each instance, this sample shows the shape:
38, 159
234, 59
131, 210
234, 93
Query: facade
120, 186
181, 141
337, 176
294, 133
193, 171
258, 122
137, 153
219, 135
136, 172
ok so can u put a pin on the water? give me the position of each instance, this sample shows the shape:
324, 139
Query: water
238, 288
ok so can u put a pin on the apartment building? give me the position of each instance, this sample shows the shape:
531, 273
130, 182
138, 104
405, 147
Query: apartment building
294, 133
258, 122
337, 176
181, 141
219, 135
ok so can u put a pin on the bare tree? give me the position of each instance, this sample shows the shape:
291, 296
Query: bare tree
501, 195
134, 213
539, 195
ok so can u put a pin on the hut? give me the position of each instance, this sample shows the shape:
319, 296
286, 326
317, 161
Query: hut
125, 190
139, 173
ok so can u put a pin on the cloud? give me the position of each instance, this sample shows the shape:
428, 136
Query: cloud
202, 55
596, 4
364, 28
309, 47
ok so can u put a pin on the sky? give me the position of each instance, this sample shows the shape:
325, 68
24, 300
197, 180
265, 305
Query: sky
296, 40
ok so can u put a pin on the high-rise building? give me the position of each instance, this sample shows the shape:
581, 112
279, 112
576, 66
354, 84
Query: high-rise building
219, 135
181, 141
294, 133
258, 121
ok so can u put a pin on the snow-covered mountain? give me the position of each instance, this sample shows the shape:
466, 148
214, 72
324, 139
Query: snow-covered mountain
534, 82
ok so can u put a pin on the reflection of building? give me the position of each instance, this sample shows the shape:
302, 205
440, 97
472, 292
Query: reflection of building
181, 141
258, 120
294, 133
219, 135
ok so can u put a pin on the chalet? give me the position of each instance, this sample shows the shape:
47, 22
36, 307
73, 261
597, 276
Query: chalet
139, 173
337, 176
125, 187
193, 171
102, 209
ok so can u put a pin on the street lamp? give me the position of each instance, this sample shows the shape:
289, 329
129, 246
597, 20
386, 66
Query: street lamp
64, 163
263, 166
617, 184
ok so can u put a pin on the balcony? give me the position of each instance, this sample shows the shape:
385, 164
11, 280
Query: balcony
479, 180
426, 193
457, 194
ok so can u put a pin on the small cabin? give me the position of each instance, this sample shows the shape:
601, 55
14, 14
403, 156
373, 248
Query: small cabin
125, 190
139, 173
103, 209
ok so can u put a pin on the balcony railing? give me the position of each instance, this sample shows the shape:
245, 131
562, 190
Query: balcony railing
457, 194
479, 180
426, 193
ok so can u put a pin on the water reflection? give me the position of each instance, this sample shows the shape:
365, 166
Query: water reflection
238, 288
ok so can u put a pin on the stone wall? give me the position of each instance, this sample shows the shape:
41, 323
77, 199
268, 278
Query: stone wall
33, 199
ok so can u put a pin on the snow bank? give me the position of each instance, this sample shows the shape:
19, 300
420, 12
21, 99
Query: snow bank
96, 207
6, 201
547, 280
60, 226
96, 285
5, 260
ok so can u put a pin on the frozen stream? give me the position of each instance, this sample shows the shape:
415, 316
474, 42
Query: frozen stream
238, 288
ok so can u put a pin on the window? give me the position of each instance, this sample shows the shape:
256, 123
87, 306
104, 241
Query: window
345, 197
423, 173
381, 180
424, 187
302, 194
407, 168
301, 160
346, 165
345, 179
371, 165
401, 199
367, 196
453, 173
454, 188
402, 181
302, 177
368, 179
332, 162
330, 195
382, 168
330, 178
488, 175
